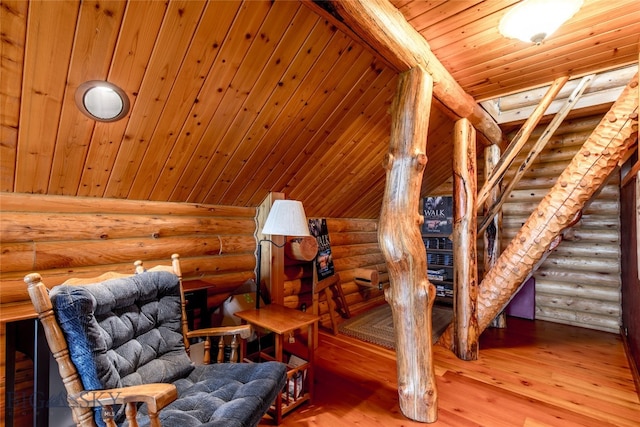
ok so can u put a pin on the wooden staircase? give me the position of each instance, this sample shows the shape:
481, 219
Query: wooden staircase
558, 210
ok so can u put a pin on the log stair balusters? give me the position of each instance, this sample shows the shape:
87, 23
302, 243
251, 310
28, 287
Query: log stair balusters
518, 141
535, 150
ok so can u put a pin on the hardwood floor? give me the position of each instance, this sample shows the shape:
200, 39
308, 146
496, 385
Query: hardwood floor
531, 374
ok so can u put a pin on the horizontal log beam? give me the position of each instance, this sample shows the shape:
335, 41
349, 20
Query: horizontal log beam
41, 226
38, 256
382, 28
22, 202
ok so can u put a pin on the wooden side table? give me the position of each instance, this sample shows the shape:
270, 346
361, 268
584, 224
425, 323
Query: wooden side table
283, 322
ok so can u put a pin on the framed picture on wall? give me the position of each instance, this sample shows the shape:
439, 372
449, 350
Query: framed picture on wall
324, 259
438, 215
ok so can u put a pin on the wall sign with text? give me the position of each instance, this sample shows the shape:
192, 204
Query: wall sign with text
438, 215
324, 259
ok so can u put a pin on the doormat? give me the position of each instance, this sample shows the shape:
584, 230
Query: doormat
376, 325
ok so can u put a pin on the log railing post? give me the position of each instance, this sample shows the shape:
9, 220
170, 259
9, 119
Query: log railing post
491, 236
465, 270
410, 294
519, 141
536, 149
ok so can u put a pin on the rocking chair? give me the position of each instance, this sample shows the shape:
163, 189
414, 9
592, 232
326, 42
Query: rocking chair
121, 341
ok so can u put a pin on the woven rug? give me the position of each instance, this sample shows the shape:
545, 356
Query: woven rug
376, 325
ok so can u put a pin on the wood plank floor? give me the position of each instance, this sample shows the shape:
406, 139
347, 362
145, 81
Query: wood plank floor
533, 374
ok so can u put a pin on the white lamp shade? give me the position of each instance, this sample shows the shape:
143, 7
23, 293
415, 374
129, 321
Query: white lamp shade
286, 218
534, 20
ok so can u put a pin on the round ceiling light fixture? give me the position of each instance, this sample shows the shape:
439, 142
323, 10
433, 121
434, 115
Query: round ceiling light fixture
534, 20
102, 101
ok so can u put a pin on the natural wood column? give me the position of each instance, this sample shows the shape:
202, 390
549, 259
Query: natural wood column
410, 295
272, 265
465, 270
382, 27
491, 236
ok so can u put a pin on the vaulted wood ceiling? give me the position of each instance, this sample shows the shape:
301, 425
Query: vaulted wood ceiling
233, 99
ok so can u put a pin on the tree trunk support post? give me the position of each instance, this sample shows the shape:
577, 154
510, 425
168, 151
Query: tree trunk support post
465, 270
410, 294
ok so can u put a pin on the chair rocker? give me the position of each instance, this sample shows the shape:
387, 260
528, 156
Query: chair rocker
121, 341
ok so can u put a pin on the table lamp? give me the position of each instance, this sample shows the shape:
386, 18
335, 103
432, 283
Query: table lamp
286, 218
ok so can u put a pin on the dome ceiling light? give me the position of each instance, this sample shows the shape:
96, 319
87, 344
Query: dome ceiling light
102, 101
534, 20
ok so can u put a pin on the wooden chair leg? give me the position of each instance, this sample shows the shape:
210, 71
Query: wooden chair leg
131, 413
107, 415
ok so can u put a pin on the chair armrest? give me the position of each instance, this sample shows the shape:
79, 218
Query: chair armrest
155, 395
243, 330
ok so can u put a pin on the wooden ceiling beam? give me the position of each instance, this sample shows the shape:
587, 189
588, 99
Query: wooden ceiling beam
384, 30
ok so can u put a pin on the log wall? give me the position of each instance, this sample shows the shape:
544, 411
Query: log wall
61, 237
74, 236
354, 244
579, 282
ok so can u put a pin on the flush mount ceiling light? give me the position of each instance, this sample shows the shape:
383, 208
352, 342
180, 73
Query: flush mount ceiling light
534, 20
102, 101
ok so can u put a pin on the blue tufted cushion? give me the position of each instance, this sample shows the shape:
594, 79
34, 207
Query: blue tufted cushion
224, 395
124, 331
127, 331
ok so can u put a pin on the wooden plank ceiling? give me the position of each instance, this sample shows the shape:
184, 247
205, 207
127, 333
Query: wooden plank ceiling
231, 100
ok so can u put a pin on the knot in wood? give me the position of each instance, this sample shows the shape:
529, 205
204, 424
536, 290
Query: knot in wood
563, 184
586, 153
421, 161
387, 161
155, 235
611, 117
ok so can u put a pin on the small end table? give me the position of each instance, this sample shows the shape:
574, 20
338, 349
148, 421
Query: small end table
285, 321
